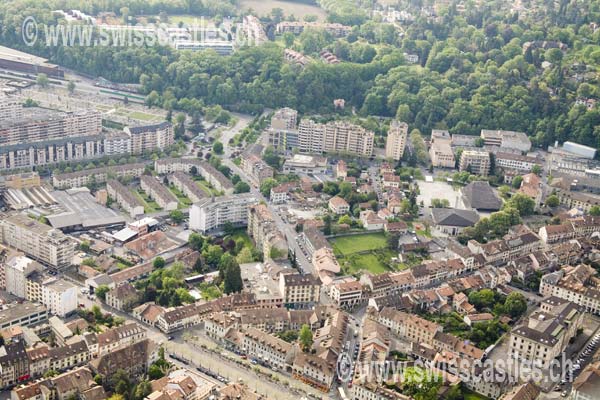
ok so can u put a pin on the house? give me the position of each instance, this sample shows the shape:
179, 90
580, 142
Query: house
371, 221
338, 205
275, 352
480, 196
452, 221
471, 319
134, 359
551, 234
527, 391
531, 186
123, 297
395, 227
587, 384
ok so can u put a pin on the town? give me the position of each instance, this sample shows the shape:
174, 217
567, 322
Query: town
157, 246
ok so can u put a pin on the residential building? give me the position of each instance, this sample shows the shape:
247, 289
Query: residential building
10, 107
119, 337
506, 140
59, 296
546, 332
123, 297
347, 294
187, 186
551, 234
531, 186
476, 162
313, 239
148, 138
193, 165
25, 180
254, 30
134, 359
371, 221
297, 27
253, 165
575, 284
68, 356
213, 213
338, 205
39, 241
305, 164
276, 353
14, 364
221, 47
336, 137
452, 221
526, 391
284, 119
586, 385
409, 326
116, 143
283, 133
396, 140
440, 152
97, 175
16, 271
263, 229
508, 248
125, 198
299, 291
314, 370
159, 193
516, 162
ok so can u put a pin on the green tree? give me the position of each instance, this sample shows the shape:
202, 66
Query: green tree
245, 256
345, 219
241, 187
177, 216
522, 203
515, 304
158, 263
43, 81
266, 186
196, 241
536, 169
218, 147
142, 390
101, 292
552, 201
517, 180
213, 255
233, 278
71, 87
595, 211
306, 338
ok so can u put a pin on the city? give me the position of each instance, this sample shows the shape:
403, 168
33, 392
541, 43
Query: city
300, 200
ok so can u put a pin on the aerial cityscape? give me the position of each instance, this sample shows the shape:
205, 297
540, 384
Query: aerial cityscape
299, 199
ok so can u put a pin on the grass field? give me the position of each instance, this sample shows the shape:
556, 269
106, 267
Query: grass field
184, 202
363, 252
470, 395
299, 10
347, 245
150, 206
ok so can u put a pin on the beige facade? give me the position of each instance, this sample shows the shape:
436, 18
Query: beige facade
475, 161
396, 140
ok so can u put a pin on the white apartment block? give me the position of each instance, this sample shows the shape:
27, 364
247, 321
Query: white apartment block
440, 151
59, 296
150, 137
39, 241
127, 200
98, 175
516, 162
159, 193
204, 169
347, 294
396, 140
336, 137
16, 271
284, 119
475, 161
213, 213
299, 290
188, 186
116, 143
10, 108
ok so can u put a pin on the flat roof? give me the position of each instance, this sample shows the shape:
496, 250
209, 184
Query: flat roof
82, 209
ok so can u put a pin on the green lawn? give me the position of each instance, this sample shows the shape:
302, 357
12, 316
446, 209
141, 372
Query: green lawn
354, 244
184, 202
470, 395
150, 206
142, 116
359, 262
206, 186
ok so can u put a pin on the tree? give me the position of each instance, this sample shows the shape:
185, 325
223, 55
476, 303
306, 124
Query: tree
345, 219
101, 292
245, 256
440, 203
595, 211
536, 169
277, 14
218, 147
241, 187
43, 81
177, 216
306, 338
233, 278
71, 87
484, 298
517, 180
515, 304
522, 203
196, 241
158, 263
266, 186
288, 39
142, 390
213, 255
552, 201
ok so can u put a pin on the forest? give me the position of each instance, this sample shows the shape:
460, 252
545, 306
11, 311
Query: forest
484, 67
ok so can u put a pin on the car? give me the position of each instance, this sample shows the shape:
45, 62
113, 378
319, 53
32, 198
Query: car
564, 394
170, 337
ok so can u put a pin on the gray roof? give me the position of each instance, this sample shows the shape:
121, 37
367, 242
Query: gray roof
480, 196
454, 217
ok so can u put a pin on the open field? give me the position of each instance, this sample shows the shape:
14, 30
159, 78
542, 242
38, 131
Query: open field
347, 245
299, 10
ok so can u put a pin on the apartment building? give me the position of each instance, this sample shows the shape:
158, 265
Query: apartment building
575, 284
39, 241
506, 140
187, 186
409, 327
476, 162
516, 162
440, 152
10, 107
14, 364
16, 271
254, 30
299, 291
23, 314
98, 175
25, 180
283, 133
396, 140
68, 356
347, 294
338, 205
116, 143
123, 297
284, 119
147, 138
204, 169
213, 213
255, 167
314, 370
546, 333
134, 359
263, 229
125, 198
509, 248
159, 193
119, 337
551, 234
276, 353
585, 386
59, 296
336, 137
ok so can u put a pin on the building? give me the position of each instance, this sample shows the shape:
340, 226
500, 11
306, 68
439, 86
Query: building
267, 237
221, 47
23, 314
305, 164
452, 221
579, 150
283, 133
16, 271
145, 139
314, 370
347, 294
125, 198
195, 166
506, 140
396, 140
97, 175
10, 107
255, 33
334, 137
187, 186
159, 193
440, 152
476, 162
551, 234
211, 214
516, 162
531, 186
14, 364
39, 241
526, 391
409, 326
25, 180
587, 384
546, 333
134, 359
116, 143
59, 296
123, 297
480, 196
116, 338
297, 27
299, 291
574, 284
274, 352
339, 206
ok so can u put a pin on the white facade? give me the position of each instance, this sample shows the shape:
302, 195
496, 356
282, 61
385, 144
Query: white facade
16, 271
396, 140
212, 214
59, 296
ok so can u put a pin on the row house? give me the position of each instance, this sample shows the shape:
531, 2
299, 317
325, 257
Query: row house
275, 352
575, 284
409, 327
508, 248
118, 337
